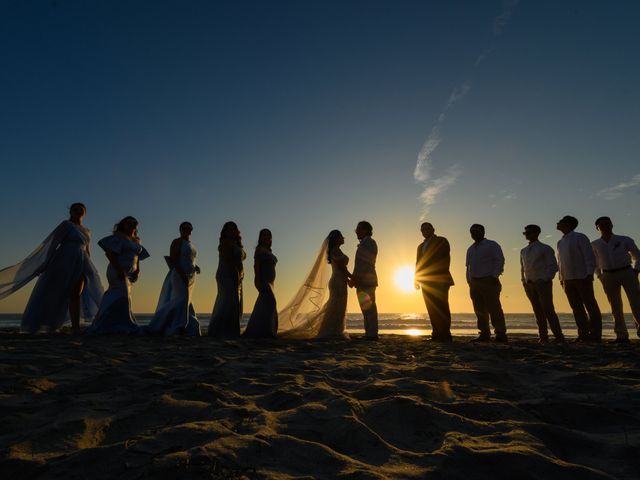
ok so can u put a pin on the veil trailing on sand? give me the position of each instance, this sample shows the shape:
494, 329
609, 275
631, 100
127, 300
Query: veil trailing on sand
302, 317
15, 277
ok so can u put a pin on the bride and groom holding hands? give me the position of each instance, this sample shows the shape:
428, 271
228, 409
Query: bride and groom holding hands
307, 317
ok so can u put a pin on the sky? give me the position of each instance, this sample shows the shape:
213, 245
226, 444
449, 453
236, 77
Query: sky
305, 116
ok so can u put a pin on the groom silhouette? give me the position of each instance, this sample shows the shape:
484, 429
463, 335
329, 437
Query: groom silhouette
365, 280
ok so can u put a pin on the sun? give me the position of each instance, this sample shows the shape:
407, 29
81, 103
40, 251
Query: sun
404, 278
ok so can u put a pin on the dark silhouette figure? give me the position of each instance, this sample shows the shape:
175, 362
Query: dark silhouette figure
68, 283
175, 314
433, 278
613, 266
538, 266
485, 263
263, 322
365, 279
125, 252
577, 263
227, 310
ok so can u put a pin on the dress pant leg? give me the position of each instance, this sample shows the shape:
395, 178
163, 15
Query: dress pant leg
589, 300
572, 290
545, 295
631, 287
532, 294
428, 295
479, 307
367, 301
436, 299
492, 299
612, 288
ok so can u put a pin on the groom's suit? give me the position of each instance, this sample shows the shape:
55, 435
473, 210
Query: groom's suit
365, 280
432, 273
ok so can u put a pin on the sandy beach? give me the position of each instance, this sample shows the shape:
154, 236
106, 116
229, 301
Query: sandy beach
402, 407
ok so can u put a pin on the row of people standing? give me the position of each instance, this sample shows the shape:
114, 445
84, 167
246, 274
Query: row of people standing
68, 284
610, 257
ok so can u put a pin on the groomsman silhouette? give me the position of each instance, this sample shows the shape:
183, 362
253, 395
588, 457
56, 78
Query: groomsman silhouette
365, 279
577, 263
485, 263
432, 276
613, 266
538, 266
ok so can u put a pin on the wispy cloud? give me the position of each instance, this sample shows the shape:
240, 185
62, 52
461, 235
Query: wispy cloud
437, 186
611, 193
434, 186
501, 21
422, 172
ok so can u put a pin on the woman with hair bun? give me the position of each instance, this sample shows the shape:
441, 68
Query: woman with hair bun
124, 251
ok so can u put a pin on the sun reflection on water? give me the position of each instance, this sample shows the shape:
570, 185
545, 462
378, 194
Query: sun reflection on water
414, 332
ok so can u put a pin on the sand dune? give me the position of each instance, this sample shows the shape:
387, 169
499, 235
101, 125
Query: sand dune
131, 408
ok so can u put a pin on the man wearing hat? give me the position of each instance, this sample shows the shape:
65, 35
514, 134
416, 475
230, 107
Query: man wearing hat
538, 266
577, 263
613, 267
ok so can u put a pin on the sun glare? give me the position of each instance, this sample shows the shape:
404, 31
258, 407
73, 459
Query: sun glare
404, 278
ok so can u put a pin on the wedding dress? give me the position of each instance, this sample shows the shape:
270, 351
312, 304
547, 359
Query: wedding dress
307, 315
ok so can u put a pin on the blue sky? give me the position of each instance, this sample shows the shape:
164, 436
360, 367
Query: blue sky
306, 116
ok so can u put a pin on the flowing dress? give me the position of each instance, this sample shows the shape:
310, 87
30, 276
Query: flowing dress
63, 258
175, 313
263, 322
227, 310
115, 315
329, 321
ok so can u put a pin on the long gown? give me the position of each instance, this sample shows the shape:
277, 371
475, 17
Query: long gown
330, 320
227, 310
263, 322
62, 260
175, 313
115, 315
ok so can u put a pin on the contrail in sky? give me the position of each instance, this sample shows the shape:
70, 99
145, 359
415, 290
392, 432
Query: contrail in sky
434, 186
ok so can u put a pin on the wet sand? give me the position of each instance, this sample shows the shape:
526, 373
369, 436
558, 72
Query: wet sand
402, 407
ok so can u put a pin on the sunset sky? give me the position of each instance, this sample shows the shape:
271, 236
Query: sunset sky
305, 116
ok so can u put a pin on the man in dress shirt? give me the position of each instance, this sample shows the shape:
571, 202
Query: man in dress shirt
613, 267
365, 279
577, 263
485, 263
433, 278
538, 266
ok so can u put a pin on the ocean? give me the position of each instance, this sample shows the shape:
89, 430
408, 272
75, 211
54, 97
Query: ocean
411, 323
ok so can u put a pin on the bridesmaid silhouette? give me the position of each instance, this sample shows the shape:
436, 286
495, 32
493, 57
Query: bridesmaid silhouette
264, 318
124, 251
68, 285
175, 313
227, 310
